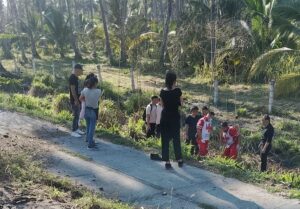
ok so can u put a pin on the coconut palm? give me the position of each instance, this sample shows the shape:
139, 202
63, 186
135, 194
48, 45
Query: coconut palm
57, 29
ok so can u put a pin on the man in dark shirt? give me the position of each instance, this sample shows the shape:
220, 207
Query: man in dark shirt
74, 98
266, 143
191, 129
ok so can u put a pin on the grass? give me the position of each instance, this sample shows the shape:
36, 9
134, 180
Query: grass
249, 104
20, 168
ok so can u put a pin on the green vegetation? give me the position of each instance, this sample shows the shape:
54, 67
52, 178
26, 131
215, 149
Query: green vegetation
20, 167
257, 40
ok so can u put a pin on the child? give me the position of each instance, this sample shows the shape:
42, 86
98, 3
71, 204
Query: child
91, 96
230, 137
158, 117
81, 115
191, 130
204, 129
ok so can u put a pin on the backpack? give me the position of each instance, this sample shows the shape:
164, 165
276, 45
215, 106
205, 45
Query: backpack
144, 113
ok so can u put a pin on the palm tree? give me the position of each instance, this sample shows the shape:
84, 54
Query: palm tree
57, 29
163, 48
73, 36
32, 27
107, 39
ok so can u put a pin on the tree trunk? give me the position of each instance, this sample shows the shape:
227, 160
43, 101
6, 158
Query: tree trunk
163, 49
213, 49
271, 95
146, 9
132, 77
161, 8
6, 45
4, 72
73, 36
107, 41
123, 8
34, 52
14, 13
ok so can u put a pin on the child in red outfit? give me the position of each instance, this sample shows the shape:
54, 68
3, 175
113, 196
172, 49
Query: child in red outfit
204, 129
230, 137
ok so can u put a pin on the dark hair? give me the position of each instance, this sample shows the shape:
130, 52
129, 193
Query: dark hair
212, 113
205, 108
87, 78
92, 82
194, 108
170, 79
78, 66
224, 124
154, 97
267, 117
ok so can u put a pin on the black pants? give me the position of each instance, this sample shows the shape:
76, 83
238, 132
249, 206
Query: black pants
170, 130
193, 142
264, 158
76, 113
151, 130
158, 132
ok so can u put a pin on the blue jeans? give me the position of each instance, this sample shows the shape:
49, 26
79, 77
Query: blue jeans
90, 118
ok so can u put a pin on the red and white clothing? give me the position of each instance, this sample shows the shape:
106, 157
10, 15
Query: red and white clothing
230, 138
204, 127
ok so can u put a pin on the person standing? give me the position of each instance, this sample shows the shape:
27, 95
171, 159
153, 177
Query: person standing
91, 96
158, 118
230, 136
74, 99
171, 99
266, 142
151, 117
191, 129
204, 129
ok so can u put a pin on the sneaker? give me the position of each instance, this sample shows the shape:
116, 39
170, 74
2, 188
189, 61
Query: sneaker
75, 134
180, 163
92, 147
80, 132
168, 166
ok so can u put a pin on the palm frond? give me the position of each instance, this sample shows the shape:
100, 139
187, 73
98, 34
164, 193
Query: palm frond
261, 63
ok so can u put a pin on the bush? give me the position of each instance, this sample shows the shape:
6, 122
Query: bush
135, 127
28, 102
109, 92
288, 86
39, 89
110, 116
242, 112
61, 103
10, 85
136, 101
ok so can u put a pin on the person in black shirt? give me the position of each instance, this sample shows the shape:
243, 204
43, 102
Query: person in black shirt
266, 143
191, 129
74, 99
171, 99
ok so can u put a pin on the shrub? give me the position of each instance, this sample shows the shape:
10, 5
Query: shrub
110, 116
28, 102
61, 103
109, 91
136, 101
39, 89
288, 86
135, 127
10, 84
242, 112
